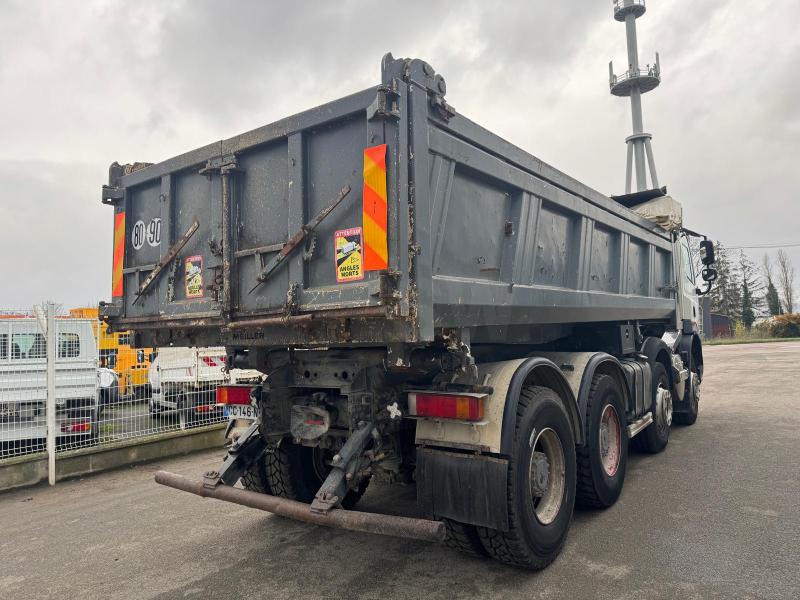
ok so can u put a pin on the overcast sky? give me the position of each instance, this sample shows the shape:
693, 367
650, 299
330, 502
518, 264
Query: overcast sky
85, 83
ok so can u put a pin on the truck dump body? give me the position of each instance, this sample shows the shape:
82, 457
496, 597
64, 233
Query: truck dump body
479, 233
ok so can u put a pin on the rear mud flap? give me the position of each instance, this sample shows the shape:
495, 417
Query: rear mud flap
468, 488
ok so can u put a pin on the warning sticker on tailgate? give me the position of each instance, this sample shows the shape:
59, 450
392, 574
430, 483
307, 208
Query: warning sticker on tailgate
193, 277
349, 261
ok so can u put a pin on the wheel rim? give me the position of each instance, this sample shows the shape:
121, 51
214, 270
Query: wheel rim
610, 440
695, 386
547, 475
664, 408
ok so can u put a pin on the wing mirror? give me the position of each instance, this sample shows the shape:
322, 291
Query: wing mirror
707, 253
708, 273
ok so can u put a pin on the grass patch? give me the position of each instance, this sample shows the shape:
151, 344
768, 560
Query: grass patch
745, 340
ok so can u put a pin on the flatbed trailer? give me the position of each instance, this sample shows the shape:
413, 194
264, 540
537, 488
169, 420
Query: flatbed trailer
429, 304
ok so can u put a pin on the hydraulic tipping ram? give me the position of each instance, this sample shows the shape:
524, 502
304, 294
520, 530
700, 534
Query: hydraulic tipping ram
403, 527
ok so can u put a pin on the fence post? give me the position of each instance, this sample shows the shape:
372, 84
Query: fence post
51, 393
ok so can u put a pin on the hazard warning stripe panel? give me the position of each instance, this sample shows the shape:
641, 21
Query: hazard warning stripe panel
119, 254
376, 254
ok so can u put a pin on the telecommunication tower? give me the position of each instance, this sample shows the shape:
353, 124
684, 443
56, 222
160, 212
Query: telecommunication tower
633, 83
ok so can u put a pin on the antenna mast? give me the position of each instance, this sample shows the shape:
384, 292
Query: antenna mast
634, 82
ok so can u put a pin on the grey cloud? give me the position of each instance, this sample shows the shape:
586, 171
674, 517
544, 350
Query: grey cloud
86, 83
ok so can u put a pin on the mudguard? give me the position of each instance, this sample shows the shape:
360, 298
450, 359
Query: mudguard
582, 367
657, 350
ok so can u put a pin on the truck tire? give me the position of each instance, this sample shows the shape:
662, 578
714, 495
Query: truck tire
297, 472
687, 411
541, 484
655, 437
464, 538
603, 459
255, 480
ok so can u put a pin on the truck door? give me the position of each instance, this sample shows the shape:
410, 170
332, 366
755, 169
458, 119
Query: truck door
687, 286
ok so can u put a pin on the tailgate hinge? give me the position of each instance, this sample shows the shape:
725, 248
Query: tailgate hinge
112, 194
220, 164
385, 104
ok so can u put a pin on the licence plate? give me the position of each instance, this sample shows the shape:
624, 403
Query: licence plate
243, 411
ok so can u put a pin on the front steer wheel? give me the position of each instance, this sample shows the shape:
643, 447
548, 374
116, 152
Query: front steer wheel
686, 412
541, 484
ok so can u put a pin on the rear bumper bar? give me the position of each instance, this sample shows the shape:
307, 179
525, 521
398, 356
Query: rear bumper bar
402, 527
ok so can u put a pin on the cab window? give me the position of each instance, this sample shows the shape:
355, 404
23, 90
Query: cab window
108, 359
28, 345
69, 345
124, 339
687, 261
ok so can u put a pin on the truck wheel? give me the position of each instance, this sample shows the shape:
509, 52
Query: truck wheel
691, 406
464, 538
255, 479
541, 484
603, 460
655, 437
297, 472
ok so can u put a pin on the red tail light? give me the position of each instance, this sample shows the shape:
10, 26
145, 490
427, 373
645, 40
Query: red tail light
233, 394
76, 427
465, 407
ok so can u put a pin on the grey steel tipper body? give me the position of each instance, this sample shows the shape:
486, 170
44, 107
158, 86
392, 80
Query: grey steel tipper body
429, 305
480, 233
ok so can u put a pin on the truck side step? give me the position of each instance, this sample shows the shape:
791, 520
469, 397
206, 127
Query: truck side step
639, 424
403, 527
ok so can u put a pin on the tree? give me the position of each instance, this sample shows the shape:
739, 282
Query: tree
786, 280
771, 298
726, 296
748, 316
752, 288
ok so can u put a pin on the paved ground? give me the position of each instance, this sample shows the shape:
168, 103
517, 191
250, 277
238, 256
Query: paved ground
714, 516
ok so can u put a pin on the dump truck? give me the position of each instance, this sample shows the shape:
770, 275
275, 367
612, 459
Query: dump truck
430, 305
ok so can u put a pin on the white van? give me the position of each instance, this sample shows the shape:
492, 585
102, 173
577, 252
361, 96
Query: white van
23, 380
185, 380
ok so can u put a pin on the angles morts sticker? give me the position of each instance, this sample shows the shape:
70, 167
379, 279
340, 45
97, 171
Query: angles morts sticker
349, 254
193, 276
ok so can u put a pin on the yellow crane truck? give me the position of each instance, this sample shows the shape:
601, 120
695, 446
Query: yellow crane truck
116, 352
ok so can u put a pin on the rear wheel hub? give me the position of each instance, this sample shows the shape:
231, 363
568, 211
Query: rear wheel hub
610, 440
547, 475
